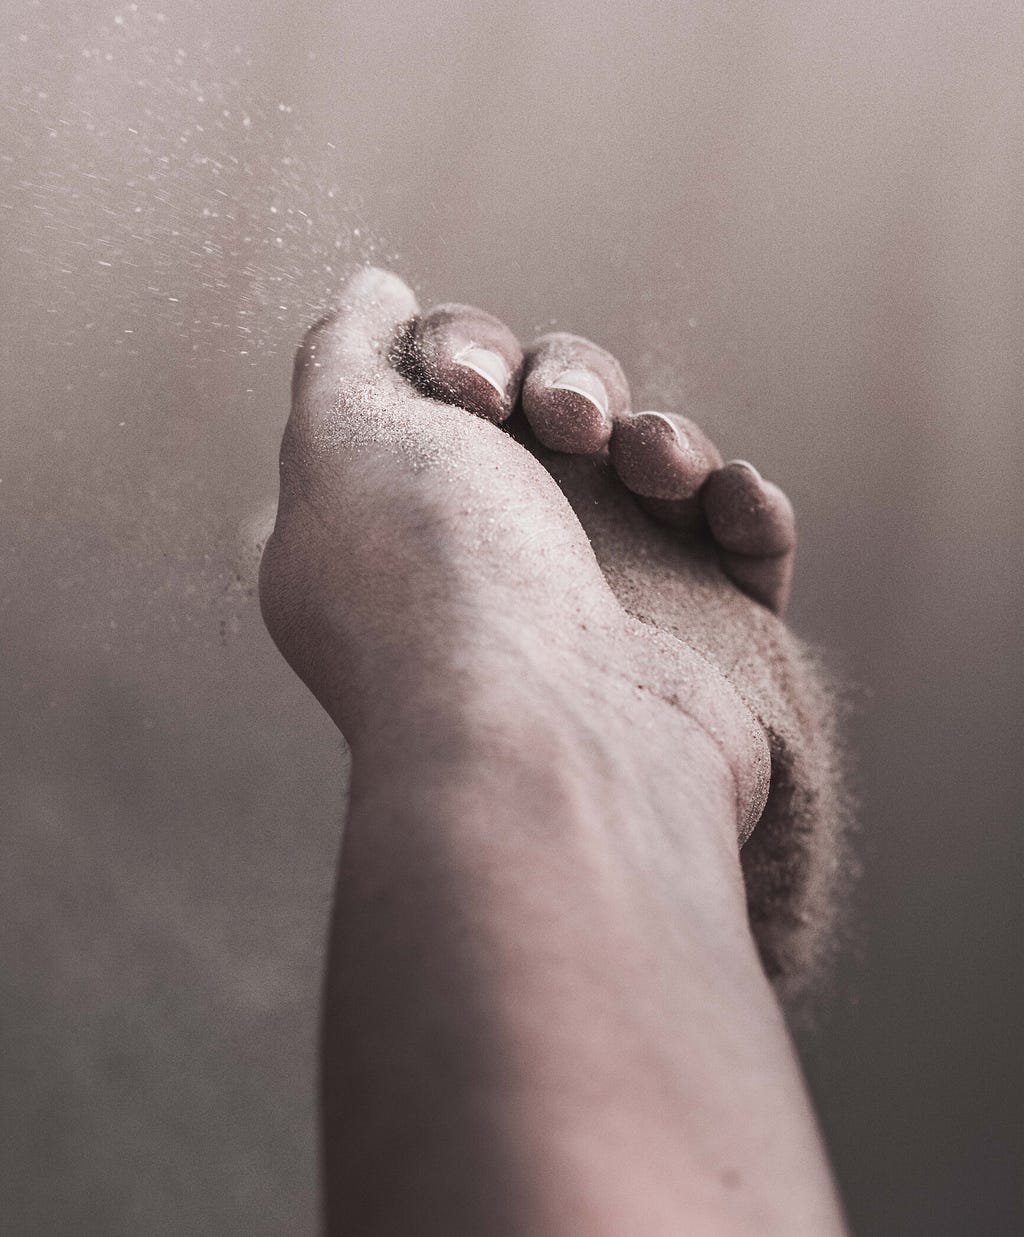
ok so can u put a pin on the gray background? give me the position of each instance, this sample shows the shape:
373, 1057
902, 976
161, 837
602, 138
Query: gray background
799, 221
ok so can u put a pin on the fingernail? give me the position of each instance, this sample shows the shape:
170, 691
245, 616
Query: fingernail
586, 383
664, 423
747, 465
489, 365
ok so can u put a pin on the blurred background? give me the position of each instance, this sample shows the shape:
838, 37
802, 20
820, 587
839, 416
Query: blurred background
798, 222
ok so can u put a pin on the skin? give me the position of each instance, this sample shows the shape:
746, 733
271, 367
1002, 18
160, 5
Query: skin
545, 1011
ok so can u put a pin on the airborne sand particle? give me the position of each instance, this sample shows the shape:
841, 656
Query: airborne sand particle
163, 169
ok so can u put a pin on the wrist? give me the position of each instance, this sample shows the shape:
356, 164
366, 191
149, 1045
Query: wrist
552, 776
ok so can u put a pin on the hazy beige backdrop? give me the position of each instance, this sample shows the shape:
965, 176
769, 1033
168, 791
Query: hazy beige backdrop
799, 221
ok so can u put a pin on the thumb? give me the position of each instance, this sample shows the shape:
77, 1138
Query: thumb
347, 350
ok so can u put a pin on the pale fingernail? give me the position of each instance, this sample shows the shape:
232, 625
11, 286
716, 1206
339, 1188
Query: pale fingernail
748, 466
586, 383
659, 418
489, 365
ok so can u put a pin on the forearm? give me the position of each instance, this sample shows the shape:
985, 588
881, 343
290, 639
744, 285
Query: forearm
535, 1024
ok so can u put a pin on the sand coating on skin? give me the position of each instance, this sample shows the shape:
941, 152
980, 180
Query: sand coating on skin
573, 393
710, 652
794, 862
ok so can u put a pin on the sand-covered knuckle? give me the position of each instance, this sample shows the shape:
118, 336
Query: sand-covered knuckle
747, 514
573, 392
465, 356
561, 349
